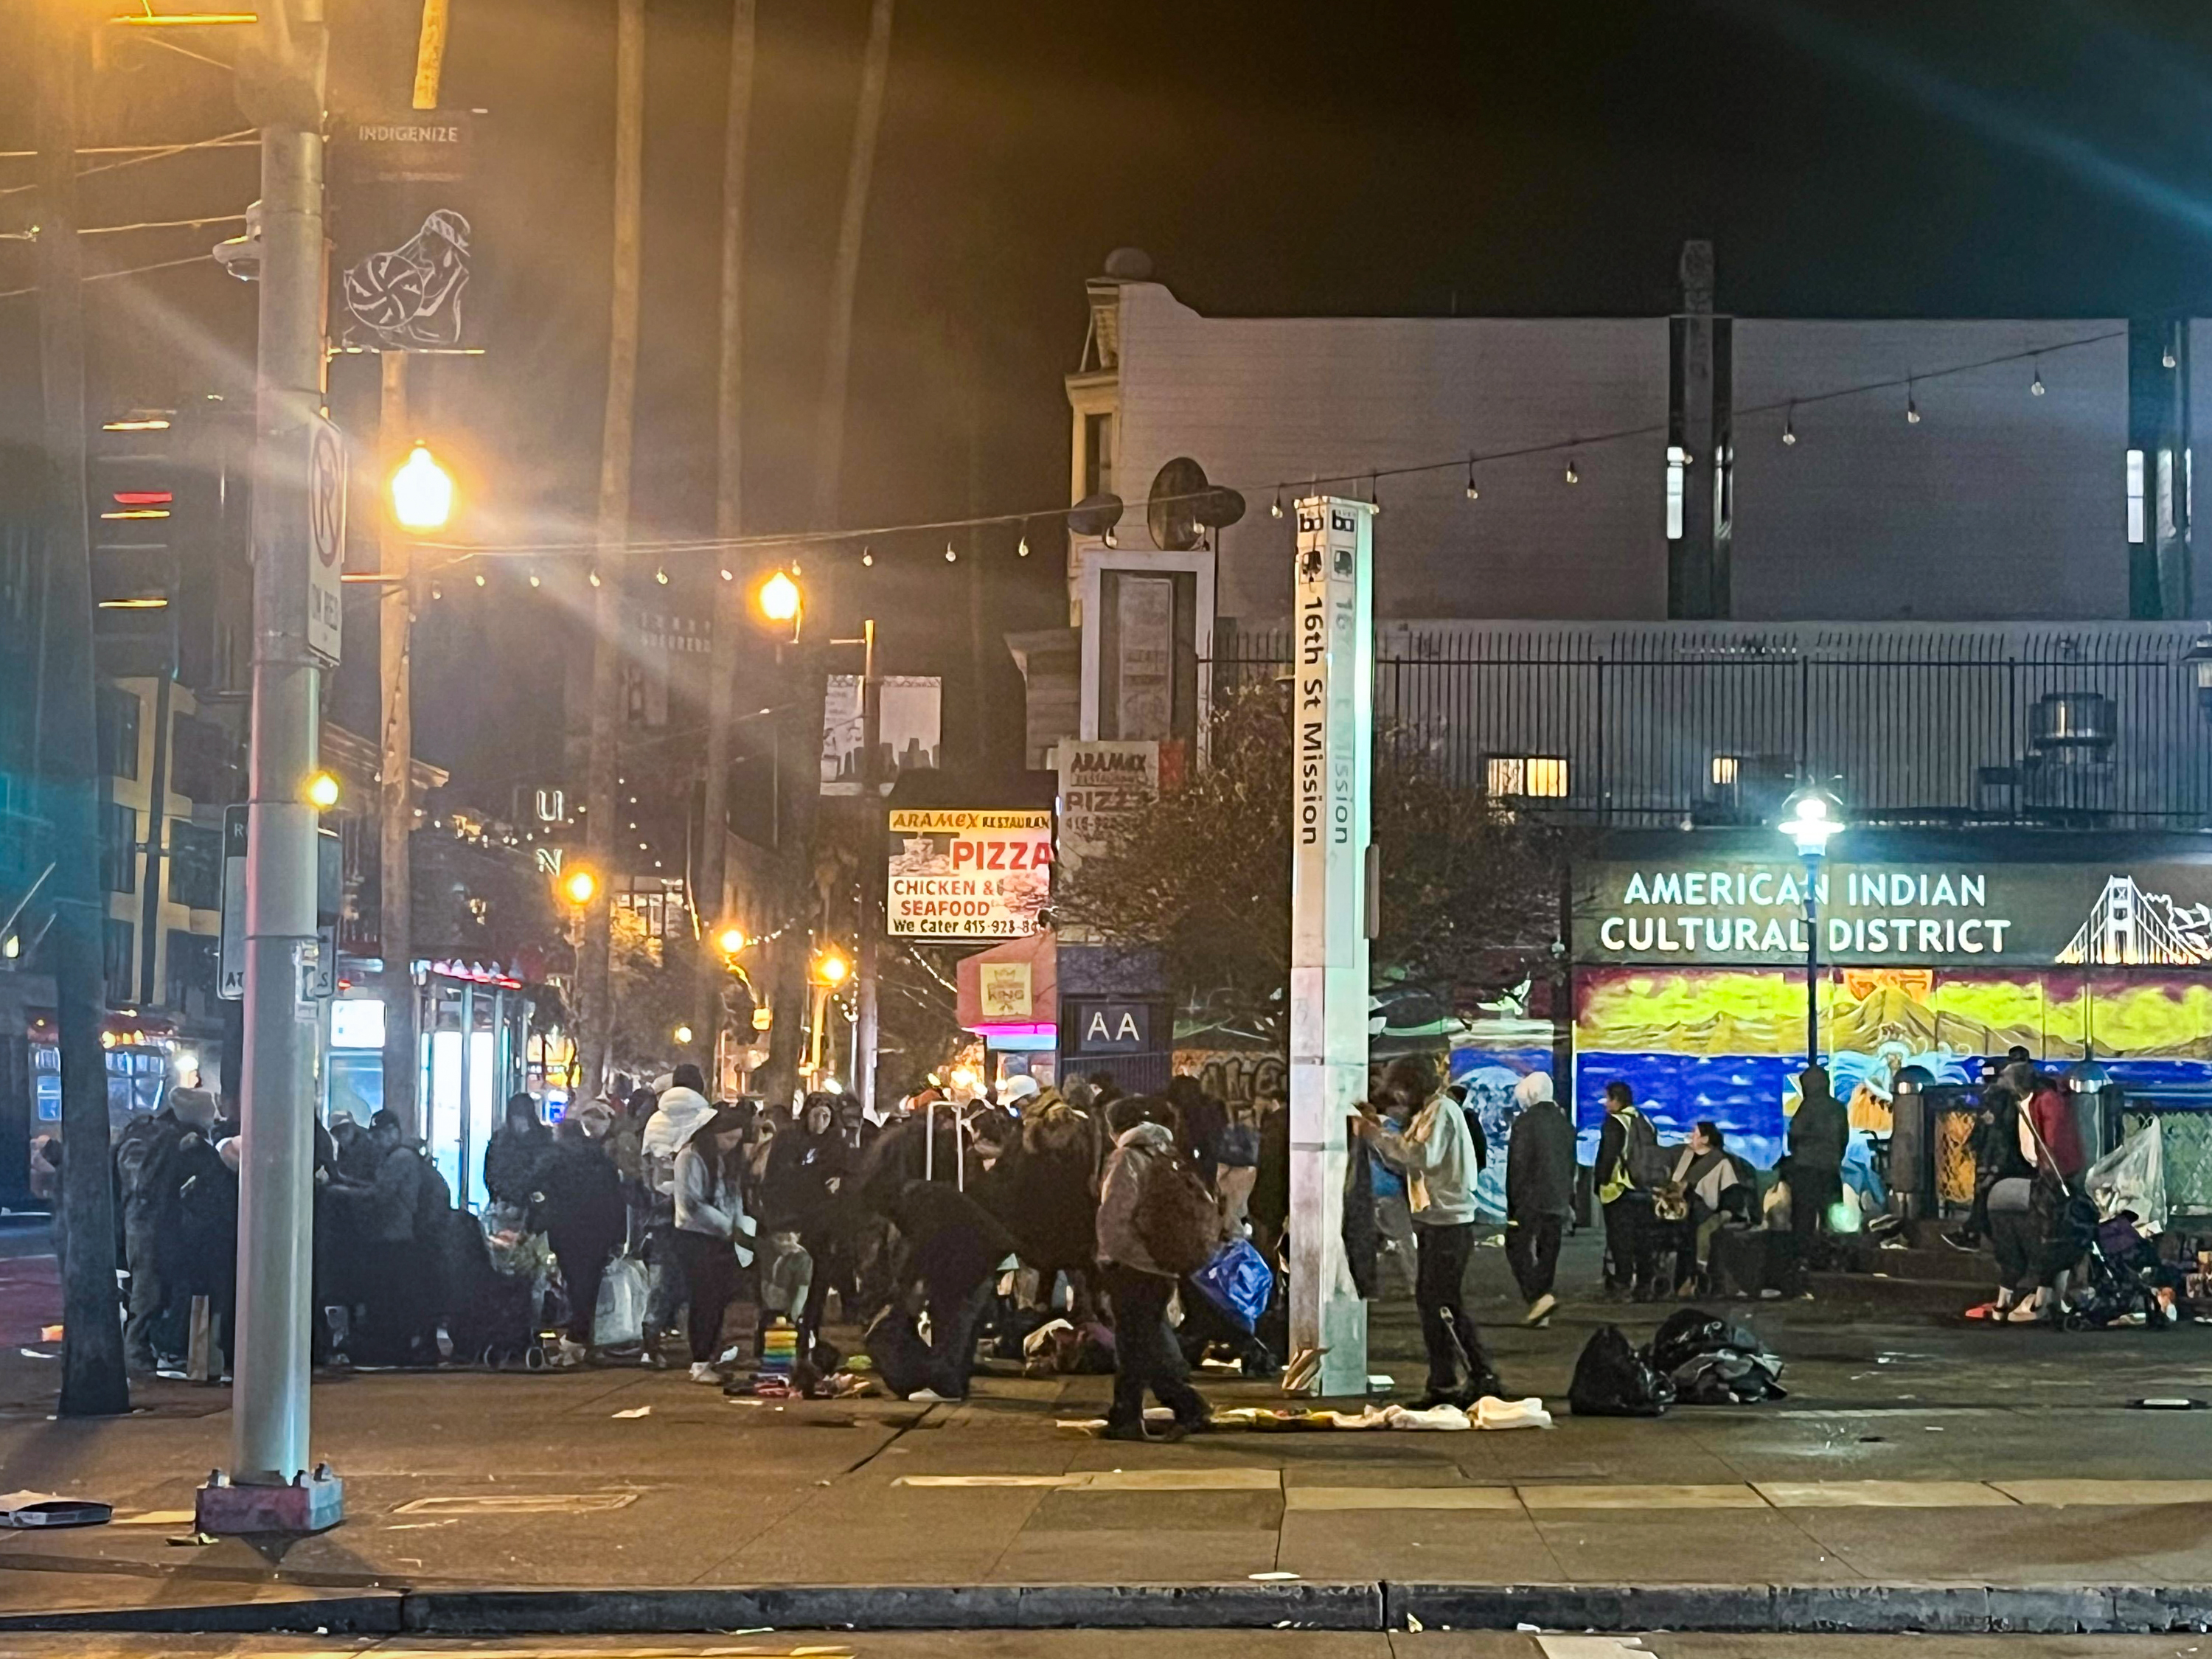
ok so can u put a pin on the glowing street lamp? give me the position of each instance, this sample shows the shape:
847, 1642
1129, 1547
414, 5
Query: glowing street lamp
579, 886
422, 492
321, 791
779, 600
683, 1036
831, 968
1811, 817
731, 940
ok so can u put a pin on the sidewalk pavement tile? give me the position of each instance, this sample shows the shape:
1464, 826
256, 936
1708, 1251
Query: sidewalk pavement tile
1659, 1548
1041, 1555
1315, 1498
1737, 1496
2107, 1493
1881, 1494
1080, 1509
1480, 1545
2021, 1544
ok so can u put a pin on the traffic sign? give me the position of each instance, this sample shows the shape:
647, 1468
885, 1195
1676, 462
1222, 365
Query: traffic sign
326, 518
231, 974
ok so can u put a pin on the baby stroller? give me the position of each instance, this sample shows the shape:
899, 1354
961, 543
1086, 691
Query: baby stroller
2125, 1279
496, 1277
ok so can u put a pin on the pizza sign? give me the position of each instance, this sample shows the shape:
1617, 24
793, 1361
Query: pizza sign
961, 875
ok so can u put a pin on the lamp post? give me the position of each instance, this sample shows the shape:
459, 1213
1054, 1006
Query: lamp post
579, 886
830, 970
1813, 816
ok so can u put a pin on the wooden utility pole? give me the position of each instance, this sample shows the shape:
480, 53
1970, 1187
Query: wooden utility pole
729, 616
845, 275
395, 638
595, 1015
93, 1379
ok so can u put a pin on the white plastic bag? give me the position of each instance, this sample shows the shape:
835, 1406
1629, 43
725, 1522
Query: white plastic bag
2132, 1177
619, 1319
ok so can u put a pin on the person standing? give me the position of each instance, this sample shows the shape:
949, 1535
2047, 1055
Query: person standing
147, 1178
1393, 1208
1270, 1204
1540, 1192
1626, 1147
1238, 1167
1145, 1352
712, 1232
1437, 1153
577, 1205
671, 1119
517, 1147
953, 1250
1819, 1130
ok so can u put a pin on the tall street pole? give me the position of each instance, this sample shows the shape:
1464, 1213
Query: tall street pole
866, 1027
395, 769
594, 992
269, 1489
93, 1379
729, 615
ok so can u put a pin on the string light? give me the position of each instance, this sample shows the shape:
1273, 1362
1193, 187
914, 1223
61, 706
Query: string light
794, 564
480, 578
1911, 406
535, 579
1789, 426
1022, 549
2035, 385
729, 575
661, 576
594, 577
2169, 359
867, 556
436, 592
1473, 493
1574, 473
1276, 511
950, 556
1111, 540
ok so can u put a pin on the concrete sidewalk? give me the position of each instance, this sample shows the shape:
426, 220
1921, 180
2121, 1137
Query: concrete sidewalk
1922, 1475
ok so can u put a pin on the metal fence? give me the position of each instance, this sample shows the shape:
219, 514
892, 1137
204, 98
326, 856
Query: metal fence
1667, 724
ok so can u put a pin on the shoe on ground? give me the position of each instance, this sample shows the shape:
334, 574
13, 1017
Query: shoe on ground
1540, 1310
2022, 1313
1961, 1238
1986, 1312
1137, 1432
702, 1372
568, 1355
927, 1397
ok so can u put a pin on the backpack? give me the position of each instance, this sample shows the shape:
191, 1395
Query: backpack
1613, 1380
1649, 1166
1177, 1218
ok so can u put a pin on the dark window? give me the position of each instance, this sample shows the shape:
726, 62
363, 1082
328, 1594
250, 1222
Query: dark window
117, 722
115, 962
118, 849
196, 866
191, 974
1097, 455
203, 764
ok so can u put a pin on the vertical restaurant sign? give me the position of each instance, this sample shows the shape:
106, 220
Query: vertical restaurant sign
1103, 786
404, 198
959, 874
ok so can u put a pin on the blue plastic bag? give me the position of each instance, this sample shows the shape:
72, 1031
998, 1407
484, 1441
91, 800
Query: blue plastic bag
1238, 1282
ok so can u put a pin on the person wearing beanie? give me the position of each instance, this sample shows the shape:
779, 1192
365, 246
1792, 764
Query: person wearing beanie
1540, 1192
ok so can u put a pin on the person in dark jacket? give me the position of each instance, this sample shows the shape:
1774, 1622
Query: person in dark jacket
1202, 1119
1270, 1204
207, 1210
1630, 1270
517, 1147
397, 1272
577, 1205
953, 1248
1819, 1130
1146, 1353
1540, 1192
146, 1155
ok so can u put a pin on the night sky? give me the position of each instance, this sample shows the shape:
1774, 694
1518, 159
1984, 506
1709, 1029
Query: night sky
1861, 160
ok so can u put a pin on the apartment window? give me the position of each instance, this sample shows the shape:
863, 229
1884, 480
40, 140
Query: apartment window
116, 715
1678, 463
1097, 455
196, 866
1543, 777
1724, 768
118, 849
2135, 496
115, 962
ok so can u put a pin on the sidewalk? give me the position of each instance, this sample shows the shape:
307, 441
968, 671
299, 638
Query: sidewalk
1922, 1475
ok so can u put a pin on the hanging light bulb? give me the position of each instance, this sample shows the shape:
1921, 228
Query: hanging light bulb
1473, 493
436, 592
1111, 540
1789, 426
1276, 511
2035, 385
867, 557
1374, 492
729, 575
480, 578
950, 556
594, 577
661, 576
2169, 359
1022, 548
535, 578
1574, 474
1911, 407
794, 564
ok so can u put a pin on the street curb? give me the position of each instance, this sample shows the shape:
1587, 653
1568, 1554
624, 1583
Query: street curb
1942, 1610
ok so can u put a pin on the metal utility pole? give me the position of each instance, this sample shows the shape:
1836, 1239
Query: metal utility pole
93, 1379
729, 618
396, 780
298, 508
845, 275
395, 641
865, 1029
595, 1014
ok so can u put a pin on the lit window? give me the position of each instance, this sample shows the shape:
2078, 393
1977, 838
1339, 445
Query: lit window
1677, 460
1544, 775
2135, 494
1724, 770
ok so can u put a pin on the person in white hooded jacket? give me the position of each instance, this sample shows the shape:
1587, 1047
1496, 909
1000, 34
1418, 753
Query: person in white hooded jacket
714, 1234
681, 1108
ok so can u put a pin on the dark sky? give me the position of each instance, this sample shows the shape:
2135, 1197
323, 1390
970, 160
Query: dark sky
2039, 157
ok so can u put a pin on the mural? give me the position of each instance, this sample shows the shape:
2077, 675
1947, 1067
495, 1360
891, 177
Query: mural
1726, 1044
1490, 1074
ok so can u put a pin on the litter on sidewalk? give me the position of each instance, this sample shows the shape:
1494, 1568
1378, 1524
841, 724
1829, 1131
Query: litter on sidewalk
1488, 1412
45, 1509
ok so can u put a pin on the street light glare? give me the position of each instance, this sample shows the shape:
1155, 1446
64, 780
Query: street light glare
322, 792
581, 885
732, 940
422, 492
833, 968
778, 598
683, 1034
1812, 818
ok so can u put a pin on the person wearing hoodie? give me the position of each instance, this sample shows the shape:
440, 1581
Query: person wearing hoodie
1437, 1154
952, 1248
1540, 1192
515, 1150
674, 1117
1145, 1352
578, 1205
1820, 1132
713, 1233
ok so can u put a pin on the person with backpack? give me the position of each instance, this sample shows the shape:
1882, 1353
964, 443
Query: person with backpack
1437, 1154
1629, 1166
1148, 1204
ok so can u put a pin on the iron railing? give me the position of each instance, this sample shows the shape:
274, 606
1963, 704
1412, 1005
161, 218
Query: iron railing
1661, 724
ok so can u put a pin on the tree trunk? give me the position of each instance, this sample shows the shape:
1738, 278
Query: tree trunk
595, 1017
93, 1379
729, 622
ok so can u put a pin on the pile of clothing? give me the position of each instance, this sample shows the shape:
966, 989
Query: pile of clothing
1696, 1358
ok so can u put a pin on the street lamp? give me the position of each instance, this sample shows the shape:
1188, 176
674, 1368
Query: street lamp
1813, 815
779, 600
731, 940
683, 1036
580, 887
831, 968
422, 492
321, 791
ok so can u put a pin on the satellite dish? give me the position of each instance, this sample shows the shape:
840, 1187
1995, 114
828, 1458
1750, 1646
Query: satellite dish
1129, 265
1094, 515
1171, 514
1219, 507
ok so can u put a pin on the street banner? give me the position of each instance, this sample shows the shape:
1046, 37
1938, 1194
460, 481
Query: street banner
967, 875
402, 200
1332, 736
326, 533
1103, 787
909, 725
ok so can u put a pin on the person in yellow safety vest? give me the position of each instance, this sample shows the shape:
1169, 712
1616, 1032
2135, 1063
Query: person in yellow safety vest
1626, 1144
